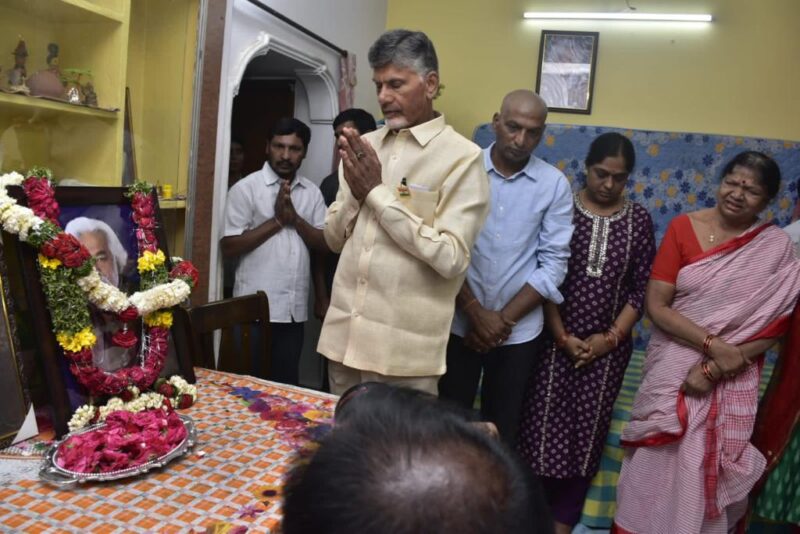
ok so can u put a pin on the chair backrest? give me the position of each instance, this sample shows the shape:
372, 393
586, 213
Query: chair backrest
245, 334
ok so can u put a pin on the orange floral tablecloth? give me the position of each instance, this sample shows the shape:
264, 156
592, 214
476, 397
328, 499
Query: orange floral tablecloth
249, 432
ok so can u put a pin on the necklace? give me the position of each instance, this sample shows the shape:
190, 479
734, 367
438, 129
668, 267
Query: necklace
712, 236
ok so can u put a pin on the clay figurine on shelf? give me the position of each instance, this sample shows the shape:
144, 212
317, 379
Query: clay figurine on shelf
18, 75
75, 91
47, 82
89, 96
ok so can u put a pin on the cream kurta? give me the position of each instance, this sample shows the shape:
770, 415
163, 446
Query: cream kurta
403, 257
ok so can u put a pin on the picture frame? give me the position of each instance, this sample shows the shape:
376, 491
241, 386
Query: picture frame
81, 209
15, 401
566, 68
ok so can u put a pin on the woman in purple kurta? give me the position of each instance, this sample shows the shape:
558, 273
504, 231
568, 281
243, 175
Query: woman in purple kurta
579, 373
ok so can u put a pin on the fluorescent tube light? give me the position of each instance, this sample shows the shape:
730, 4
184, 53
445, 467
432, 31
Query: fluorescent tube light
664, 17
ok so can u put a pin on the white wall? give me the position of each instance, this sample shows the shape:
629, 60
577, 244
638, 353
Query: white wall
250, 31
350, 24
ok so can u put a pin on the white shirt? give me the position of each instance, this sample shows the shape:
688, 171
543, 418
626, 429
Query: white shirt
794, 232
280, 266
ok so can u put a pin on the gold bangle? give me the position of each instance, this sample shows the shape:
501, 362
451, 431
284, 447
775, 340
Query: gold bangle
707, 344
617, 331
609, 341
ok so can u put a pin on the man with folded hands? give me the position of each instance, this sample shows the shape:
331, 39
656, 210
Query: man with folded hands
519, 261
412, 198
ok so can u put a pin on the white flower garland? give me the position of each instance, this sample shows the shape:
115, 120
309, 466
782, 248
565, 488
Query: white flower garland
87, 413
20, 220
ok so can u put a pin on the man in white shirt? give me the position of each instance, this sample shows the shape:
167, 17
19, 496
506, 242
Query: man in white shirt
272, 218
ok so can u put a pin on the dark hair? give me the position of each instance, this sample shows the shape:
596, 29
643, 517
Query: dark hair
610, 145
288, 126
769, 174
361, 400
404, 48
400, 462
363, 120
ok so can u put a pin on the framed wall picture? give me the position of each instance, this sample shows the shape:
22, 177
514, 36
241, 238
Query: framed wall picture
101, 219
566, 70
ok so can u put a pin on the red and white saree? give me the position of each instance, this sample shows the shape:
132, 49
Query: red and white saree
690, 464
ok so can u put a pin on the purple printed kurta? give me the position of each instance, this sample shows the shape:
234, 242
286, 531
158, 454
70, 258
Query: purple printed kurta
567, 411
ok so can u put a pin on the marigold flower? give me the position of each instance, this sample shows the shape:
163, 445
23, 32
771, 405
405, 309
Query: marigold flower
149, 261
49, 263
76, 342
159, 318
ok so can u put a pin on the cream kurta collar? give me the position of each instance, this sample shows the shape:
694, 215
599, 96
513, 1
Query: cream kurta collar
423, 133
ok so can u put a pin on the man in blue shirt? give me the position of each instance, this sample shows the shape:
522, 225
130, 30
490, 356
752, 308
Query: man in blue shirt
518, 262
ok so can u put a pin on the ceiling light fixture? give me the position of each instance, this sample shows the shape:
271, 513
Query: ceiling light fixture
662, 17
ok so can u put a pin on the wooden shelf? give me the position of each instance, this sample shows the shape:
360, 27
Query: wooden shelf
44, 108
66, 10
171, 204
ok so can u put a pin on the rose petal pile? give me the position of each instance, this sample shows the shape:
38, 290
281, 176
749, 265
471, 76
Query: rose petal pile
126, 440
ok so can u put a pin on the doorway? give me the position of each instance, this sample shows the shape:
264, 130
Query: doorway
259, 104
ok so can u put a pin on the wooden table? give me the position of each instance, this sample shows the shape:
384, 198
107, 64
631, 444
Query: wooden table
249, 433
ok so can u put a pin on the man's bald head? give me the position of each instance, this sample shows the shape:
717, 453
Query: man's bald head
518, 128
524, 101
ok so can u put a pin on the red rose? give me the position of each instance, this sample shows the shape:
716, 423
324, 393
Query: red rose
66, 248
83, 357
142, 205
185, 401
168, 404
128, 314
124, 338
126, 395
187, 271
40, 198
168, 390
136, 374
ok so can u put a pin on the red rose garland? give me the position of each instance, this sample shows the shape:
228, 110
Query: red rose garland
73, 255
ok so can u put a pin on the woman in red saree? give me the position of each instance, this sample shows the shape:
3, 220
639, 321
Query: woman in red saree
722, 289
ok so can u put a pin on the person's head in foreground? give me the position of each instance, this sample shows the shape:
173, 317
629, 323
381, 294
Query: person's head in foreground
749, 182
103, 244
400, 462
405, 71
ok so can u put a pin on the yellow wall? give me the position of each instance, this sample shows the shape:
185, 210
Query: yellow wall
160, 76
163, 35
738, 75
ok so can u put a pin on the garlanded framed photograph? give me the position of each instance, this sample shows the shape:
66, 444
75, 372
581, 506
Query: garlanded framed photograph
114, 346
566, 68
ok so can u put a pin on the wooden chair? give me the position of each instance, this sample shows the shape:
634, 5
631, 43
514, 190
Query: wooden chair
245, 334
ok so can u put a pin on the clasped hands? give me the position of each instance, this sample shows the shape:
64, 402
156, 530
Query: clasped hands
585, 351
285, 213
489, 329
725, 359
360, 163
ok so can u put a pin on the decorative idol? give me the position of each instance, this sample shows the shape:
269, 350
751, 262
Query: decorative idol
47, 82
18, 75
